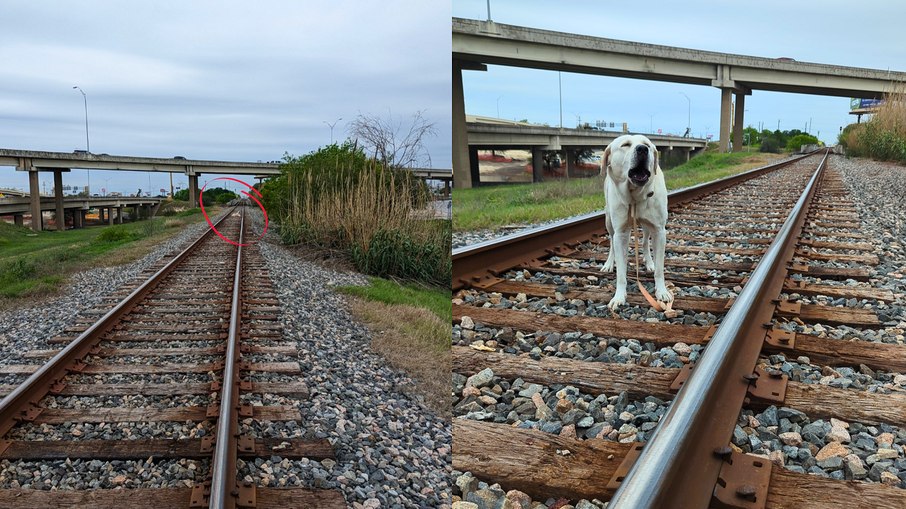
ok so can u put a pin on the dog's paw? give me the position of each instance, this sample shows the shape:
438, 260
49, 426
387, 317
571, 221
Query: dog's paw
663, 294
608, 265
649, 264
618, 300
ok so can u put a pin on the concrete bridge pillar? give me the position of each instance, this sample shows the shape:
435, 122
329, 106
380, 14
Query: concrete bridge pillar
17, 218
110, 216
147, 208
725, 94
119, 214
101, 214
474, 171
462, 168
34, 192
570, 163
738, 121
193, 191
58, 199
537, 165
447, 186
77, 218
688, 153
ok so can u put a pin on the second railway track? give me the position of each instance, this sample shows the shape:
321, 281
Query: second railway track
555, 394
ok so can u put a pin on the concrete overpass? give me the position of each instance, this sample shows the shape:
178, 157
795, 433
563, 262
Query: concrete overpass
58, 162
539, 138
477, 43
77, 207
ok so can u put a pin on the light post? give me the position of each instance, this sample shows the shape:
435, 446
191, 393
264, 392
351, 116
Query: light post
651, 122
689, 119
106, 180
498, 105
331, 127
87, 143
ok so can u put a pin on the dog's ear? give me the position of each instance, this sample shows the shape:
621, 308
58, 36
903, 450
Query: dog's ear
656, 153
605, 162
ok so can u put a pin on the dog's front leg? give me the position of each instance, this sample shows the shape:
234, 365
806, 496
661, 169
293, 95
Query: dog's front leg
608, 265
649, 263
620, 242
660, 286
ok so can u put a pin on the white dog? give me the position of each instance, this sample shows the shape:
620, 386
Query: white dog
634, 186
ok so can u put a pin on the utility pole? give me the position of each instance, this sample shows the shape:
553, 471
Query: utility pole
560, 82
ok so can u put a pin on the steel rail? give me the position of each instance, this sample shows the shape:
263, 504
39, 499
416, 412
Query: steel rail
21, 403
223, 467
484, 260
679, 467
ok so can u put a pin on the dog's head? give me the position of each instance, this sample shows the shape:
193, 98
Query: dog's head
631, 157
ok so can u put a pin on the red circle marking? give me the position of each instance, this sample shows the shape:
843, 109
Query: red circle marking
260, 206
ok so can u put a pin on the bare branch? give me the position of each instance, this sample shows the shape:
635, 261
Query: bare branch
385, 139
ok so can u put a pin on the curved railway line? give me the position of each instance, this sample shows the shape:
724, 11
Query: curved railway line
708, 404
179, 354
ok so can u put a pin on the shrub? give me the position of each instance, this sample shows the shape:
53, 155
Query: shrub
884, 135
770, 144
338, 198
796, 142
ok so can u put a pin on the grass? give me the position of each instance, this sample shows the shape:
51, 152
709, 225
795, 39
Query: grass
390, 292
498, 206
713, 165
37, 264
411, 329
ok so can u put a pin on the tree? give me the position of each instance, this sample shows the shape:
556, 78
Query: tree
752, 134
385, 139
796, 142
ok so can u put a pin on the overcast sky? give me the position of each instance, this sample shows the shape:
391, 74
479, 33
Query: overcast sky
868, 34
225, 80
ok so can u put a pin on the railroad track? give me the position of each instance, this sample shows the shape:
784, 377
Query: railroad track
732, 399
176, 371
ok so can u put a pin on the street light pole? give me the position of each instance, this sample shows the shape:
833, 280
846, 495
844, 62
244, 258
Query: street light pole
87, 143
331, 127
689, 119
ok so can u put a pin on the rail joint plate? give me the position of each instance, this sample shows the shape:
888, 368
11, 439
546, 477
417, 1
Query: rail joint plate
779, 338
768, 387
620, 473
742, 483
247, 496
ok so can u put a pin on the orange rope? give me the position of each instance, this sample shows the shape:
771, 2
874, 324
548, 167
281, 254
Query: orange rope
654, 303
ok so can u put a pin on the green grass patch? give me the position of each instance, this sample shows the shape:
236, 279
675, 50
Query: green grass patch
496, 206
38, 263
389, 292
502, 205
713, 165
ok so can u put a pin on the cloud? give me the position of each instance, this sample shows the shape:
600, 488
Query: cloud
217, 80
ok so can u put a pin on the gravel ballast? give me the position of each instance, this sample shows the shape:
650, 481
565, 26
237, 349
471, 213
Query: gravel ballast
825, 447
390, 450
